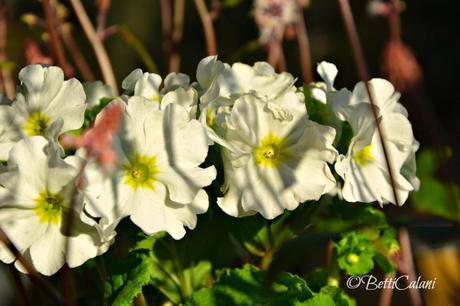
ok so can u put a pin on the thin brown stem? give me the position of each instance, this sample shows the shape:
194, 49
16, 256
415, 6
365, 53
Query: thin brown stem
216, 7
304, 46
70, 217
407, 266
276, 55
101, 20
166, 28
178, 30
386, 293
395, 22
208, 27
360, 62
77, 56
35, 278
98, 47
7, 83
55, 44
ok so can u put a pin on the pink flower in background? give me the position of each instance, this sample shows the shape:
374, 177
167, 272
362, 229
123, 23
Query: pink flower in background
97, 140
273, 17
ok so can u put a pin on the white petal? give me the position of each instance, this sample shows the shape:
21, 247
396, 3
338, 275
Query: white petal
183, 184
328, 73
48, 251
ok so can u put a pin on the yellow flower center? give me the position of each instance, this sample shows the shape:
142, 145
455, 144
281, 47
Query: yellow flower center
271, 151
141, 172
352, 258
48, 207
363, 156
36, 124
209, 118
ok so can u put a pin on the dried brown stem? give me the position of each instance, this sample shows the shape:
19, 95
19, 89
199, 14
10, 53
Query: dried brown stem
78, 58
386, 294
7, 84
276, 55
35, 278
407, 266
215, 9
166, 28
208, 27
101, 20
98, 47
395, 22
360, 62
304, 46
55, 44
70, 217
178, 30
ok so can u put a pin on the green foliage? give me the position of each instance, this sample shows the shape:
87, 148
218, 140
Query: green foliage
249, 286
176, 268
126, 275
435, 196
262, 238
357, 250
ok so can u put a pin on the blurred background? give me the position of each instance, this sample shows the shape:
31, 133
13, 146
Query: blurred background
423, 62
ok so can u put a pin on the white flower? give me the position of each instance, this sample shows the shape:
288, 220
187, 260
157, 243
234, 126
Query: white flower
95, 91
34, 205
159, 182
176, 89
45, 105
225, 81
275, 163
223, 84
384, 94
364, 169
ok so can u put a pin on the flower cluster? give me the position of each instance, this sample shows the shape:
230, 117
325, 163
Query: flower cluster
143, 155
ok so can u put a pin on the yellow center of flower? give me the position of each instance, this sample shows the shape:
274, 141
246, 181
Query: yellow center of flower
36, 124
209, 118
352, 258
48, 207
155, 98
140, 172
363, 156
271, 151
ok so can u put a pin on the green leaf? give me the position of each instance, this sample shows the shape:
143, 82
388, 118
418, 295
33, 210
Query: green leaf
320, 300
248, 286
126, 276
181, 267
435, 196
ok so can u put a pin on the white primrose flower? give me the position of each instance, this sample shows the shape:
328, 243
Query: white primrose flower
222, 80
35, 200
95, 91
159, 182
275, 162
176, 89
364, 169
384, 94
45, 105
222, 84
